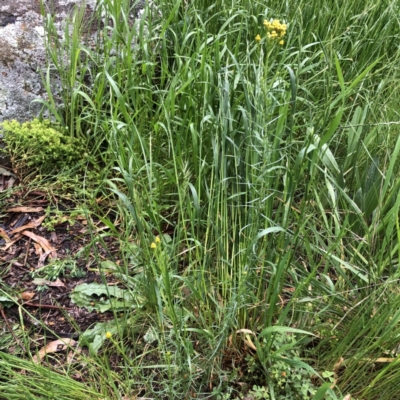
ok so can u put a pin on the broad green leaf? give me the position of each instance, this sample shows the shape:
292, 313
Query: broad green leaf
94, 296
95, 337
99, 289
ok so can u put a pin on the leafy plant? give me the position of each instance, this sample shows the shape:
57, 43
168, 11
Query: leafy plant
56, 217
95, 337
58, 268
100, 297
278, 360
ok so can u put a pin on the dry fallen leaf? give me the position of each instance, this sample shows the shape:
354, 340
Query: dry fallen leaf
336, 368
72, 354
18, 264
54, 237
245, 331
42, 258
40, 282
31, 225
338, 364
56, 283
9, 244
26, 296
38, 249
6, 172
24, 209
385, 360
10, 183
247, 341
44, 243
54, 347
4, 235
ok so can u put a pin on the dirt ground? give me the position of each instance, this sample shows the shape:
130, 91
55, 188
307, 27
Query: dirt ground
28, 245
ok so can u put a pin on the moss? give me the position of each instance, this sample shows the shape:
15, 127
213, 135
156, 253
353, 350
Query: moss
40, 146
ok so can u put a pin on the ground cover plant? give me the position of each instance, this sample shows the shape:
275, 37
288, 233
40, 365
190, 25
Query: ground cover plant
250, 183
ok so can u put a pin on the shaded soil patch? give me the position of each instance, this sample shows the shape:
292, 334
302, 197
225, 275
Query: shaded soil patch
28, 247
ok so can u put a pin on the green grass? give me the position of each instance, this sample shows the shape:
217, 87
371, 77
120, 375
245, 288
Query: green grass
275, 167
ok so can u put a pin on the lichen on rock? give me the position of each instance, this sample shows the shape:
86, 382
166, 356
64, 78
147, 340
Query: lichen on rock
23, 55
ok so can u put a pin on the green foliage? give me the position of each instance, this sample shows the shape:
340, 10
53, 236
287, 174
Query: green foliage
40, 147
94, 296
254, 156
95, 337
287, 376
56, 217
269, 175
58, 268
35, 382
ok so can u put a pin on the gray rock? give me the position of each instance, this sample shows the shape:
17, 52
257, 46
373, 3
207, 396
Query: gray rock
23, 55
22, 52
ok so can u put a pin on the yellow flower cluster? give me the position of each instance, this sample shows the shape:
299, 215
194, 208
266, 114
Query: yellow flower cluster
154, 244
275, 31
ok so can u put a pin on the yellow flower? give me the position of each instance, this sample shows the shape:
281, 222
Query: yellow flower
108, 335
157, 239
258, 38
275, 30
282, 42
153, 245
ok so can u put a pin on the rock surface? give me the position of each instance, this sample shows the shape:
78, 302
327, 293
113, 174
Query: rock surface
22, 53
